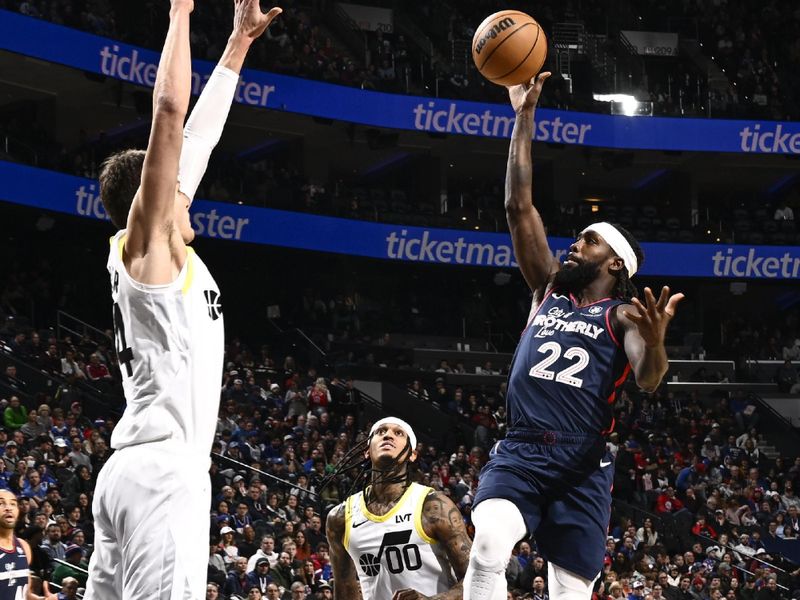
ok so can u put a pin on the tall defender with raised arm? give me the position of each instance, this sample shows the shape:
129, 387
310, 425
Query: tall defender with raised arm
151, 530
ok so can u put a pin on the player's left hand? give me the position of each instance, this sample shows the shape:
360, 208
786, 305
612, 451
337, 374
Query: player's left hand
248, 20
652, 319
408, 594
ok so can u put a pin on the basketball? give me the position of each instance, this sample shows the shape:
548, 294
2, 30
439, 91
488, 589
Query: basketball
509, 47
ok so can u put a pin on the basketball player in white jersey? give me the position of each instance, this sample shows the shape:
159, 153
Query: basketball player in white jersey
152, 497
399, 540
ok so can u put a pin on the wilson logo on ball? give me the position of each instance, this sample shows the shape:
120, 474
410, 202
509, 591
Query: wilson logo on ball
498, 27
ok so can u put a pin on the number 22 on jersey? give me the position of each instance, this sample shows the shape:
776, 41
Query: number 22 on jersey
554, 350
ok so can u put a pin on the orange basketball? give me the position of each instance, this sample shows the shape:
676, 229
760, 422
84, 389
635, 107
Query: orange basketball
509, 47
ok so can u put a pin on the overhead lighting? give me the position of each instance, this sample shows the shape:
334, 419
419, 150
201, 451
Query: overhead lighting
595, 208
594, 199
628, 105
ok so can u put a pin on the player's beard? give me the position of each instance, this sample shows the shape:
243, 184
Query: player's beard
575, 279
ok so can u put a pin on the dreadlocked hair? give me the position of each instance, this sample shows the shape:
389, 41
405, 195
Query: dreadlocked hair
353, 465
624, 289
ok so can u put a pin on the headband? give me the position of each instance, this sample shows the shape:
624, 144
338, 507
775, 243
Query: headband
618, 244
403, 425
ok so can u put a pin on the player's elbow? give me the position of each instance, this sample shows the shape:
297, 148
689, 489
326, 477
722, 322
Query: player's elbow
649, 384
167, 105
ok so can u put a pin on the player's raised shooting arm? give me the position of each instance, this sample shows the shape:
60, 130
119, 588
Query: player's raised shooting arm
345, 580
533, 254
443, 522
151, 226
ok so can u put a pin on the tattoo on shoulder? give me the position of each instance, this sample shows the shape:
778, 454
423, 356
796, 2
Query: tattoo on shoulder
335, 519
433, 509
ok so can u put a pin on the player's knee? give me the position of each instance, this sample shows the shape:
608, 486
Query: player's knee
486, 563
483, 545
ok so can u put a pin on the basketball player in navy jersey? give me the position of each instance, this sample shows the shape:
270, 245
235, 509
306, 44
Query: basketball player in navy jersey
396, 540
15, 556
551, 476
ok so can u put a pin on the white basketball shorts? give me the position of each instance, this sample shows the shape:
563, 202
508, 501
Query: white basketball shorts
151, 509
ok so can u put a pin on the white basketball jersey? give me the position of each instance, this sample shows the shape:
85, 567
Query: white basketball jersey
170, 344
392, 552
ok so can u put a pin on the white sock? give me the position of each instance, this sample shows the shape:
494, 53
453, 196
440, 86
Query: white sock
566, 585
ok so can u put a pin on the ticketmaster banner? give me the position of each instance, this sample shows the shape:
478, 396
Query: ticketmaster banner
77, 196
54, 43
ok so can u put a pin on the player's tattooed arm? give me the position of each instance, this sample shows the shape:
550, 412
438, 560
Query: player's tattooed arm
528, 235
345, 585
442, 521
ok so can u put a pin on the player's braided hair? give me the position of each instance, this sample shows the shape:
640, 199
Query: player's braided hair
624, 289
365, 474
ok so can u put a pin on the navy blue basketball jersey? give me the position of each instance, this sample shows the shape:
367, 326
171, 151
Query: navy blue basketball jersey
14, 572
567, 367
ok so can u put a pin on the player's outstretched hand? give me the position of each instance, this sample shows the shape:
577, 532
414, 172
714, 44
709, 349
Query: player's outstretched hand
248, 20
652, 320
526, 95
409, 595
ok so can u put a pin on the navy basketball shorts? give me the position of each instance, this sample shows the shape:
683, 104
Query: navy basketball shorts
561, 483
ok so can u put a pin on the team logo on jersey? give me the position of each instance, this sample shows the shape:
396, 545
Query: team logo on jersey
594, 311
400, 555
214, 301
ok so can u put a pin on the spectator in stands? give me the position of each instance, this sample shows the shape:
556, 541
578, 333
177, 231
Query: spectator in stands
11, 456
52, 543
11, 378
259, 576
416, 391
212, 591
50, 361
784, 212
32, 428
283, 574
667, 502
74, 556
15, 415
769, 591
237, 580
787, 379
791, 349
319, 397
70, 367
273, 592
96, 370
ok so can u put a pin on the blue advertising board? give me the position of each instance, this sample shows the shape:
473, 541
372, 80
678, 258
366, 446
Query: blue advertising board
95, 54
78, 196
